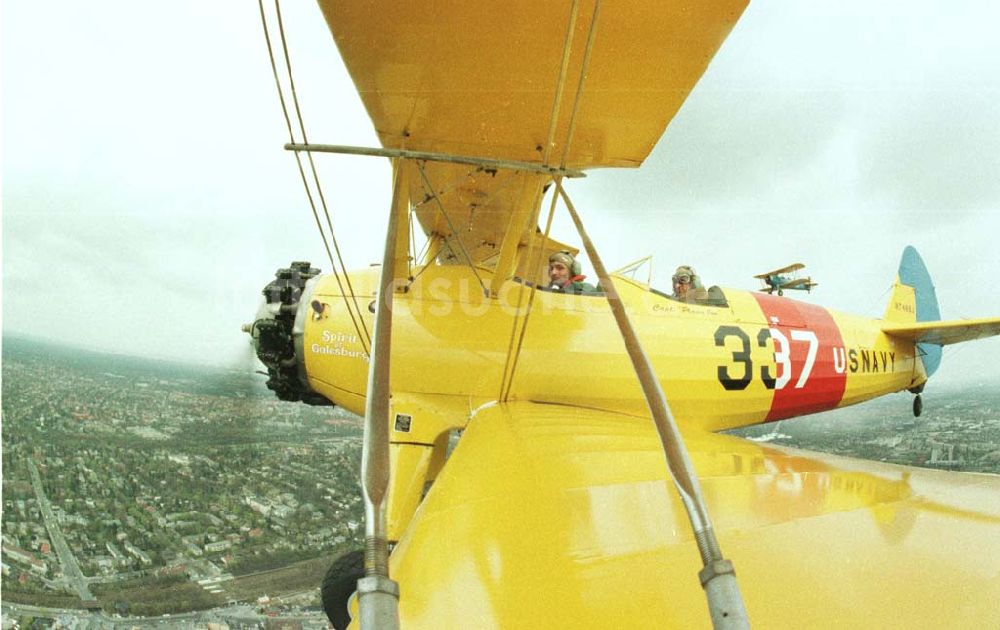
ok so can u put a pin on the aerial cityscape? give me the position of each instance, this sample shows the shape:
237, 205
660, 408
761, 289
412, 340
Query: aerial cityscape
136, 489
145, 488
958, 430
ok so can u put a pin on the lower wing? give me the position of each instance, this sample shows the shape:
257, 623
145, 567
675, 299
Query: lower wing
553, 516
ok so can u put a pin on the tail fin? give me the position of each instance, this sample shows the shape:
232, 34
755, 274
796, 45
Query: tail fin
914, 300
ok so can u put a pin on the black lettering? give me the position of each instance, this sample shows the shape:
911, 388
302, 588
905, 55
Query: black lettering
885, 361
853, 355
742, 356
765, 370
892, 355
866, 361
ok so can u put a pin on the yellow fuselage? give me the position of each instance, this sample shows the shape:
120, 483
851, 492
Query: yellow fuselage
757, 359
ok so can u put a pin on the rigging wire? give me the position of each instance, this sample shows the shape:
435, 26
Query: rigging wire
560, 86
413, 246
305, 182
583, 79
508, 380
454, 232
871, 310
444, 191
413, 214
316, 180
513, 359
428, 265
422, 255
455, 185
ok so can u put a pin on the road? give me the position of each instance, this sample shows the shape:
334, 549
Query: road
67, 560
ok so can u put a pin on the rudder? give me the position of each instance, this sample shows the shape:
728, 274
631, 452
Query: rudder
914, 300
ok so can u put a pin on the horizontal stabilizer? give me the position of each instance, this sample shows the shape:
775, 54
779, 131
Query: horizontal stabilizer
945, 333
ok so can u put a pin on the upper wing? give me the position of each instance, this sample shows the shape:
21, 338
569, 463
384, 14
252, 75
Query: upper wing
789, 268
549, 516
480, 79
944, 333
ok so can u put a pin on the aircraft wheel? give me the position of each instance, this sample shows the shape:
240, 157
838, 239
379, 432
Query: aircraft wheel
780, 292
918, 406
340, 581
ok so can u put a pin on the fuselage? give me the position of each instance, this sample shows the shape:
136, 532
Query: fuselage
749, 358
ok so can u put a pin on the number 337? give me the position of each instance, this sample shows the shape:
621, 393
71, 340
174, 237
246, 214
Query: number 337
782, 357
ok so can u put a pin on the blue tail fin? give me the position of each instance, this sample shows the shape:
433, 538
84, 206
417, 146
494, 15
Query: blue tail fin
913, 273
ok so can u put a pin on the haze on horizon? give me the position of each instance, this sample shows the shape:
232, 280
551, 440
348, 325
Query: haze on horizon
147, 199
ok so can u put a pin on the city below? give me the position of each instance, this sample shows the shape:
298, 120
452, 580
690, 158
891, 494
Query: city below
139, 493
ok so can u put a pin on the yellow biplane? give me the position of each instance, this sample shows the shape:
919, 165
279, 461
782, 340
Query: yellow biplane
588, 486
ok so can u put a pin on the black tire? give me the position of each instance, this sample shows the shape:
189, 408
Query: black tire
340, 581
918, 406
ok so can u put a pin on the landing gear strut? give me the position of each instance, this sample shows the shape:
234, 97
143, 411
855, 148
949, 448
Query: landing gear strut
918, 406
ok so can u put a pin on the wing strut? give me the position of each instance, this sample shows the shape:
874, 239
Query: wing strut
378, 595
718, 578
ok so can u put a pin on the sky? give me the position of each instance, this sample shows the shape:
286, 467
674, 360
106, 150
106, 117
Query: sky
147, 198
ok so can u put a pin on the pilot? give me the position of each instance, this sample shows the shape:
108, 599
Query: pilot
687, 285
564, 275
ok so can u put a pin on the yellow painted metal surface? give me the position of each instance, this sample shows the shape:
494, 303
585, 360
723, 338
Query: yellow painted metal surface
550, 517
459, 345
757, 358
446, 77
443, 77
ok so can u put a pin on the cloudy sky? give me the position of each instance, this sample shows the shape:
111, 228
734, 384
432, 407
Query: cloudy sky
147, 199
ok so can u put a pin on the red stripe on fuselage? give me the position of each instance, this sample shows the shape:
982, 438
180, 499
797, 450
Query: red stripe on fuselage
797, 330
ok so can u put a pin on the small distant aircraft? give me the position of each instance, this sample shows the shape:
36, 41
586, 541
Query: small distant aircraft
775, 281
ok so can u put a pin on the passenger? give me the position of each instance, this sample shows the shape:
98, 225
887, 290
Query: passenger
565, 277
687, 285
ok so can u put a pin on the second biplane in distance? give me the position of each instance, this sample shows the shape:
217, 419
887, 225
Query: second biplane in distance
776, 281
573, 498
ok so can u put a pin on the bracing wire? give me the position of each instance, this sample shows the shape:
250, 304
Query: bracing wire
561, 84
451, 226
412, 259
423, 250
319, 188
508, 380
583, 79
429, 197
513, 359
305, 182
454, 185
427, 250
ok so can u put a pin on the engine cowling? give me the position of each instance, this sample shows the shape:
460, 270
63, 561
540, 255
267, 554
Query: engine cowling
275, 334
